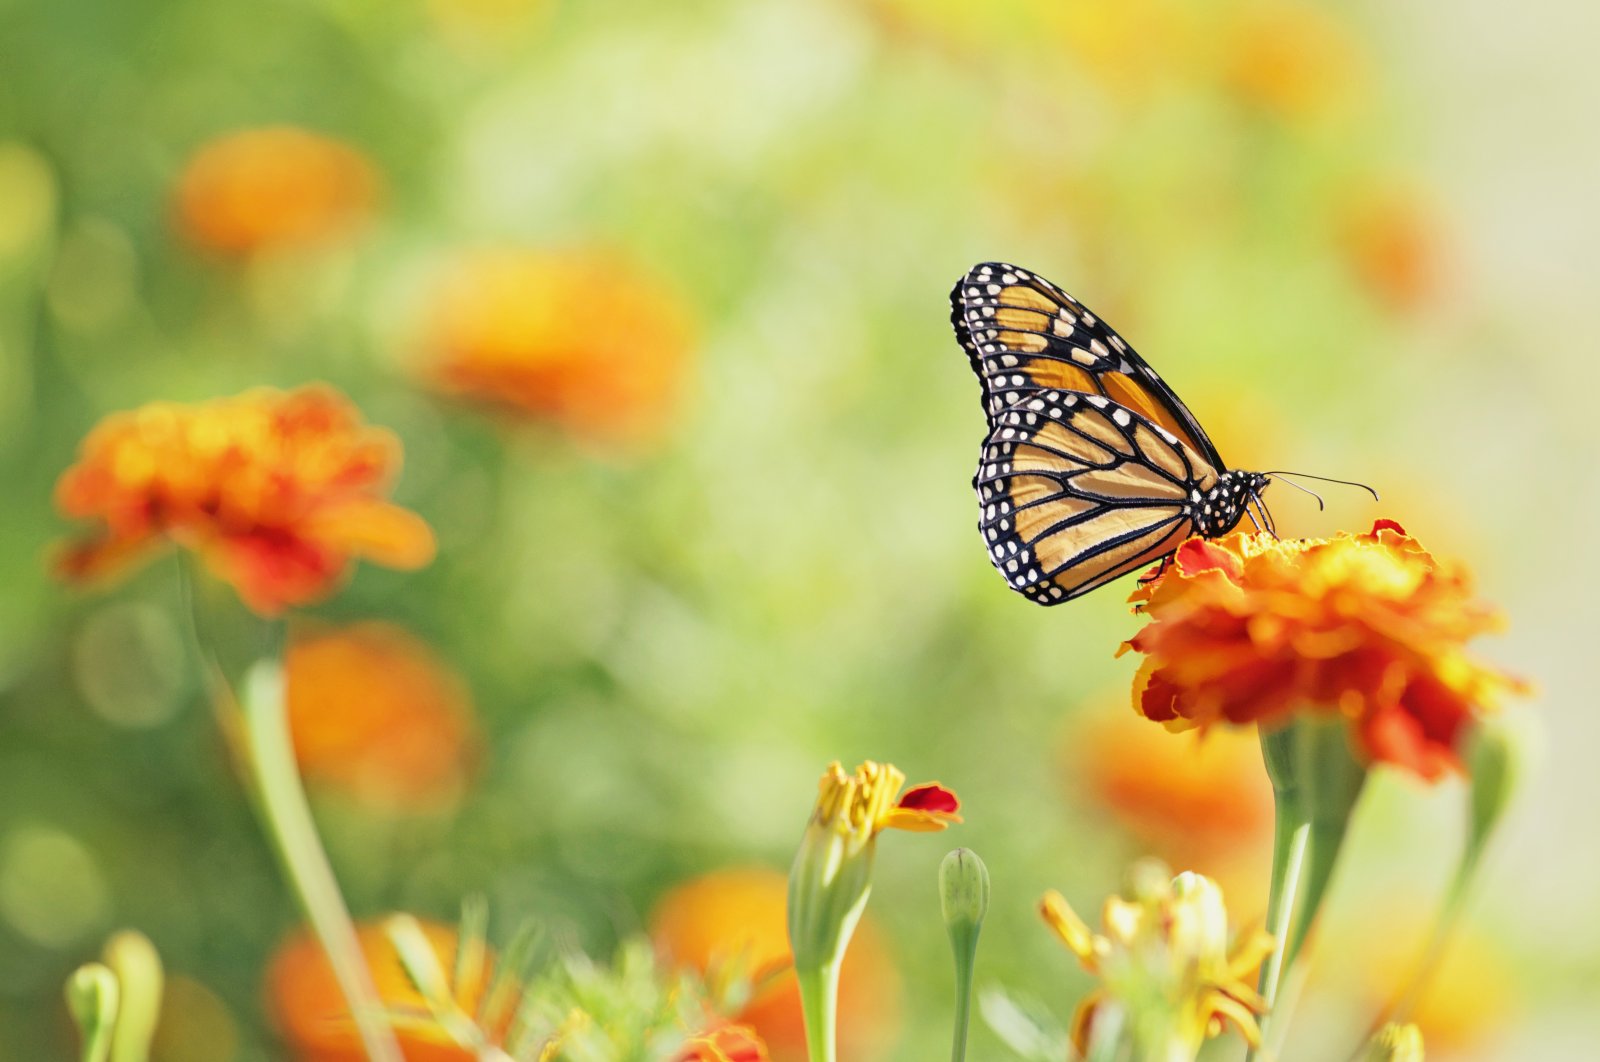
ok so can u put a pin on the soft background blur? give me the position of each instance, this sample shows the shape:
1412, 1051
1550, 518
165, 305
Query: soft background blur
733, 539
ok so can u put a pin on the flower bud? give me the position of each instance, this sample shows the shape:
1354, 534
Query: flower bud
1394, 1043
963, 891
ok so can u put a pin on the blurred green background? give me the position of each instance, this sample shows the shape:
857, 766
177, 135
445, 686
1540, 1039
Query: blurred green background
1357, 238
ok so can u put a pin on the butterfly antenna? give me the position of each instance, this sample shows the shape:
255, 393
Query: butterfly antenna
1325, 479
1307, 490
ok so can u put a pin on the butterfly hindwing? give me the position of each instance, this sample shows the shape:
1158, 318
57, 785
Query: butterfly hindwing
1075, 490
1022, 334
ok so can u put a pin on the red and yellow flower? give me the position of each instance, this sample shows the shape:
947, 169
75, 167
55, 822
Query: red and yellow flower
374, 712
277, 492
582, 338
271, 188
1250, 628
728, 1043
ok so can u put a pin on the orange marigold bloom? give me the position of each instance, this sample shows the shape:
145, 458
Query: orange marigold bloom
579, 337
1392, 245
1192, 801
273, 187
1249, 628
736, 918
1291, 58
277, 492
310, 1012
730, 1043
374, 712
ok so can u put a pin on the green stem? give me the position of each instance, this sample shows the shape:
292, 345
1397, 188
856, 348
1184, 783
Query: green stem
1105, 1034
1289, 843
1444, 928
958, 1045
287, 818
819, 995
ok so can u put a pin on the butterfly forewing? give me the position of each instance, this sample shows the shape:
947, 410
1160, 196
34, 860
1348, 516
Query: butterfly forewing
1022, 335
1075, 490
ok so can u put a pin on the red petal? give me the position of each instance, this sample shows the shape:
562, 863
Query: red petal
1387, 525
931, 796
1198, 555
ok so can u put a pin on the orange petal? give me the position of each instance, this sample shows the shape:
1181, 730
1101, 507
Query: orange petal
382, 533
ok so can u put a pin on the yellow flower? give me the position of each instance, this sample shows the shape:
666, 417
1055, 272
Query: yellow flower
278, 492
279, 186
1164, 961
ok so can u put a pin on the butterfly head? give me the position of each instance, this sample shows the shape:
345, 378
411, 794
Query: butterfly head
1216, 511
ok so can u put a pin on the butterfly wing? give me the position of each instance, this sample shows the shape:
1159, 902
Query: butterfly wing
1022, 334
1075, 490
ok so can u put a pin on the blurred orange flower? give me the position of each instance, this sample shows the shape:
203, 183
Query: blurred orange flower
1292, 59
273, 187
739, 916
1193, 799
374, 712
579, 337
1249, 628
730, 1043
1391, 243
310, 1012
278, 492
1473, 993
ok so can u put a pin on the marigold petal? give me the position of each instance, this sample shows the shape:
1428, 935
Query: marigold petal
379, 531
931, 797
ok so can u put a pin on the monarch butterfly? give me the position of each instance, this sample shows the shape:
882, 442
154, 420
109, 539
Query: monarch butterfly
1092, 467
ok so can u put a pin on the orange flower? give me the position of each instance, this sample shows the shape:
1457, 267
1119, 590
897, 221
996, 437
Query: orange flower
1293, 59
1192, 801
738, 917
1249, 628
1473, 995
373, 711
578, 337
273, 187
278, 492
1391, 244
310, 1011
730, 1043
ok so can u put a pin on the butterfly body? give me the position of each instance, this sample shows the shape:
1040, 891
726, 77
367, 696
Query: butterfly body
1092, 466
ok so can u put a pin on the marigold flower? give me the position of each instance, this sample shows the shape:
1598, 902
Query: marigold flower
579, 337
311, 1014
728, 1043
1291, 58
375, 713
1249, 628
1391, 243
1165, 957
278, 492
273, 187
1190, 800
734, 920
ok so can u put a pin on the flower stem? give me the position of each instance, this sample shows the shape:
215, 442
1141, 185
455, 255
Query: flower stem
1291, 832
819, 996
287, 819
958, 1044
1105, 1034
